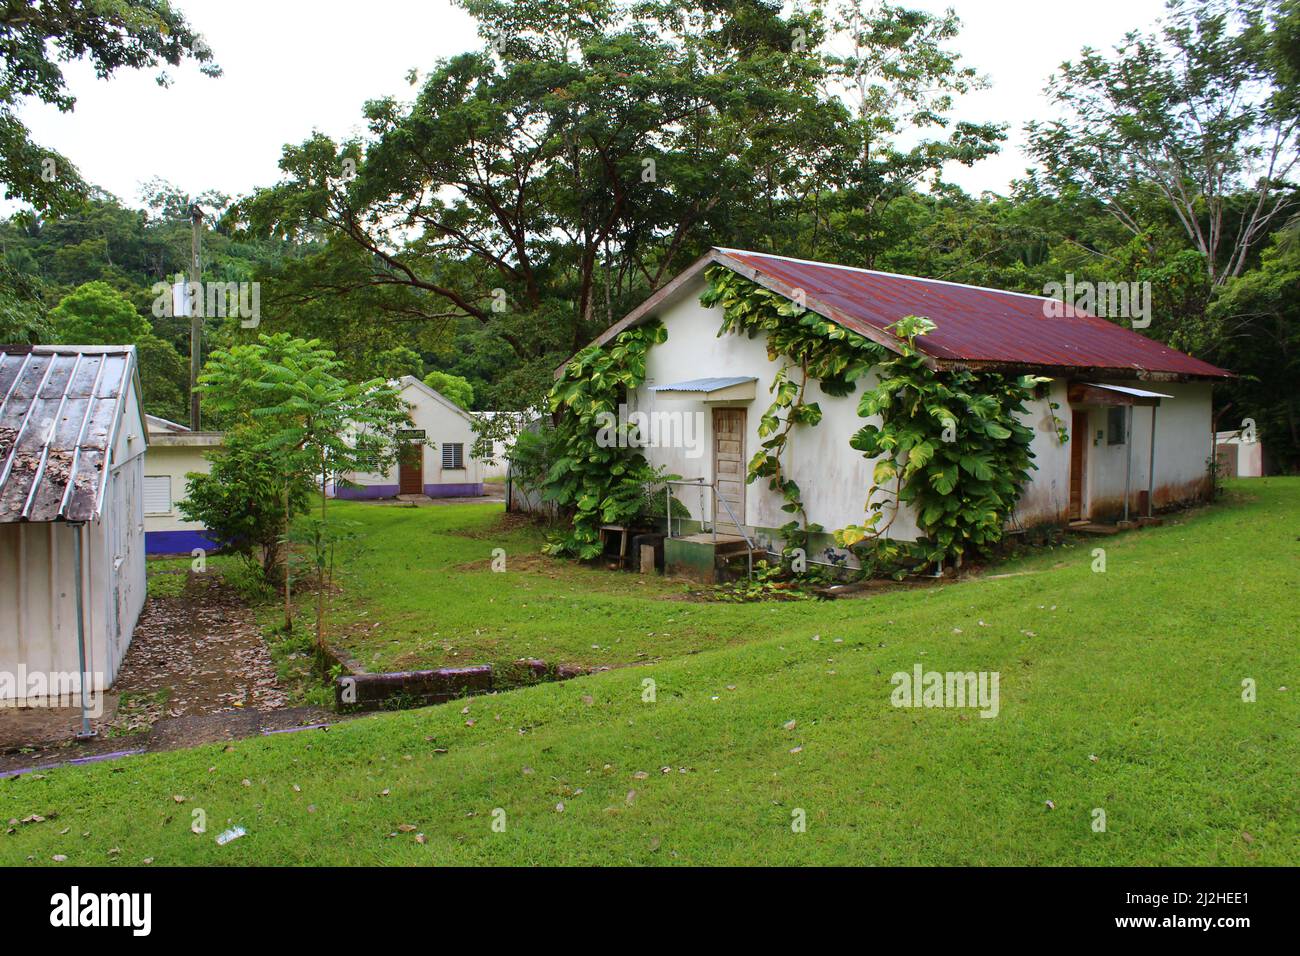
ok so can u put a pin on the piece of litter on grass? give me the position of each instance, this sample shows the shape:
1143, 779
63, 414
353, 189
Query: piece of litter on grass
226, 836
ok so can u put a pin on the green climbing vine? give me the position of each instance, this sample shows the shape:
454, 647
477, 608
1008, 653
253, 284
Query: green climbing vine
599, 474
949, 444
812, 347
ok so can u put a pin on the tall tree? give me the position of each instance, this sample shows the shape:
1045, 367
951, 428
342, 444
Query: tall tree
537, 186
897, 69
36, 37
1194, 114
1256, 325
285, 399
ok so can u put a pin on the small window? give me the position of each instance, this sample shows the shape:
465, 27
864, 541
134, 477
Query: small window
453, 456
1116, 417
157, 494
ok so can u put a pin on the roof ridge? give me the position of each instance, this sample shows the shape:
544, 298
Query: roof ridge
900, 275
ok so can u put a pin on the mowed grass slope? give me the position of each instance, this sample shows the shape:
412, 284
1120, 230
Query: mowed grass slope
1140, 667
421, 593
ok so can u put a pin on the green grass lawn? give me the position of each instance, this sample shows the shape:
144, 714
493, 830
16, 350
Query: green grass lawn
1140, 667
421, 593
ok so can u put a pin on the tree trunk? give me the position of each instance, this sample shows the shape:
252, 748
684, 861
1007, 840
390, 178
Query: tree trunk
288, 571
320, 562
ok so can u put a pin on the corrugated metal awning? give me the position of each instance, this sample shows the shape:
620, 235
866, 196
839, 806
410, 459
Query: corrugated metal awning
704, 384
1127, 390
1092, 393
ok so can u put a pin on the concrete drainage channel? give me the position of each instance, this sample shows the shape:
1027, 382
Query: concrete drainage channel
361, 691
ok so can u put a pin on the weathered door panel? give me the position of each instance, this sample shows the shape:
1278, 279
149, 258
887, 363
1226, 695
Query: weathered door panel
729, 465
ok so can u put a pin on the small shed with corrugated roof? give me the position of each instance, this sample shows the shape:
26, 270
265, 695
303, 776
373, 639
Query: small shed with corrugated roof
72, 555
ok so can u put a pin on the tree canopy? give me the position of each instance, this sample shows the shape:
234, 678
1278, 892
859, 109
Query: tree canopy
36, 38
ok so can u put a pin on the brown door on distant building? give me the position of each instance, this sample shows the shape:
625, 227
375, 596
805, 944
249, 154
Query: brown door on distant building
410, 470
1078, 463
729, 466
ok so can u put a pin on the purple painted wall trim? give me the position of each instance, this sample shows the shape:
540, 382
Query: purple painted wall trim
367, 492
454, 491
364, 492
176, 542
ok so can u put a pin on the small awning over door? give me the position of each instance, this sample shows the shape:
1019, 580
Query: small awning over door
735, 389
1089, 393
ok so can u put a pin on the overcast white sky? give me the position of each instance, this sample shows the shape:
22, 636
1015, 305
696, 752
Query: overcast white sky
292, 66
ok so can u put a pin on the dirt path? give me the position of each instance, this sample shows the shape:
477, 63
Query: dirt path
197, 671
197, 654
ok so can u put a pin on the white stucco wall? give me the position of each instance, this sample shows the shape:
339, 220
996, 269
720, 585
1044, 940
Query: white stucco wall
1046, 499
834, 478
174, 462
1184, 444
1250, 454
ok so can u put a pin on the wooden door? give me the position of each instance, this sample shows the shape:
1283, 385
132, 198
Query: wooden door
729, 466
1078, 463
410, 470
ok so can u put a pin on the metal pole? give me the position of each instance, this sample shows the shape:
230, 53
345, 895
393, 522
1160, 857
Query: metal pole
81, 633
668, 508
713, 511
1151, 468
196, 312
1128, 460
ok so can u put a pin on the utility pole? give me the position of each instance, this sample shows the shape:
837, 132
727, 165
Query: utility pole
196, 310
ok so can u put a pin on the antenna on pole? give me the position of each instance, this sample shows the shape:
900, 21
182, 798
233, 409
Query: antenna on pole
196, 310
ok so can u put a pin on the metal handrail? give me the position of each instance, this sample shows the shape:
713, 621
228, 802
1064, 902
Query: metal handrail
713, 514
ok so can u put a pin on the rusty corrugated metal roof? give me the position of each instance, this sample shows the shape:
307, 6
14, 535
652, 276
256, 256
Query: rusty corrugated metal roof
59, 408
975, 326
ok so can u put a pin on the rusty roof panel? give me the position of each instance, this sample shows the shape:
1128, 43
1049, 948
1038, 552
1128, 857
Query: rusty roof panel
58, 409
974, 325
